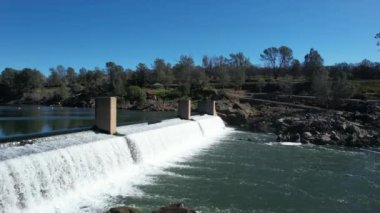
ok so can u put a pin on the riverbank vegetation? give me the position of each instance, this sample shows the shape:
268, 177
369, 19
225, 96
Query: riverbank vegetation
281, 74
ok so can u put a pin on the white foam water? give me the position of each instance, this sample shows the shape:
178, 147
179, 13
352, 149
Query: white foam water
160, 144
76, 172
284, 143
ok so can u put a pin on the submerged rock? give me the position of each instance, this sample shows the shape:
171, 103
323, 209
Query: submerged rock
175, 208
123, 209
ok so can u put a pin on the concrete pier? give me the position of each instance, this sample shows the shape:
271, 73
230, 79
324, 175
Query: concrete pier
184, 109
105, 114
207, 107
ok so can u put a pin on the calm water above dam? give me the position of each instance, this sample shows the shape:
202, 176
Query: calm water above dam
43, 119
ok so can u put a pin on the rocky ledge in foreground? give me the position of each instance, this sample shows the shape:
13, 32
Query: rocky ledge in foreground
172, 208
344, 129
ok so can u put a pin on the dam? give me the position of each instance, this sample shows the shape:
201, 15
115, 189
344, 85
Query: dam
42, 176
194, 159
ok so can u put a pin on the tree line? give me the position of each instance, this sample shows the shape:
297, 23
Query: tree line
66, 85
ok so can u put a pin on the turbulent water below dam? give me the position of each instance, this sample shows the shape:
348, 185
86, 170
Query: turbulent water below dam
201, 163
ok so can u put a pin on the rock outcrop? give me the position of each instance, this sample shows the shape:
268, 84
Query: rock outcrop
233, 112
348, 129
153, 105
344, 128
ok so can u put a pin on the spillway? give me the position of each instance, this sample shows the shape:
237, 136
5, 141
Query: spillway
37, 176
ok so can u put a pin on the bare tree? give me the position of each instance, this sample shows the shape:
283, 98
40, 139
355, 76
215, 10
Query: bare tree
239, 60
238, 64
270, 56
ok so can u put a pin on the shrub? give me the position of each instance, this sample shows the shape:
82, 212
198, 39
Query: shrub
277, 87
341, 89
174, 94
321, 86
184, 89
303, 88
161, 93
135, 93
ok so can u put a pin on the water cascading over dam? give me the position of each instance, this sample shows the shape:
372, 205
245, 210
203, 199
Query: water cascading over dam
41, 176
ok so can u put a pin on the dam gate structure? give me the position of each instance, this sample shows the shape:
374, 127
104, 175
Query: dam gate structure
105, 114
207, 107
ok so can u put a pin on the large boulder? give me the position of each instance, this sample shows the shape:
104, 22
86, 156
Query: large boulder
307, 137
355, 129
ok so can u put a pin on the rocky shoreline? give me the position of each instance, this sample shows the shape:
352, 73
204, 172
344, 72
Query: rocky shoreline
342, 129
290, 124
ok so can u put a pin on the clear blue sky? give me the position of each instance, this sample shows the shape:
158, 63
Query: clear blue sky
88, 33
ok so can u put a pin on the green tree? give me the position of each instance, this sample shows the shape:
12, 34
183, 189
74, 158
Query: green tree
54, 79
183, 69
340, 69
317, 75
135, 93
93, 83
295, 68
15, 83
183, 73
117, 79
141, 75
29, 79
7, 84
313, 64
71, 75
62, 93
72, 80
62, 72
198, 77
8, 78
237, 76
285, 57
162, 72
58, 76
159, 70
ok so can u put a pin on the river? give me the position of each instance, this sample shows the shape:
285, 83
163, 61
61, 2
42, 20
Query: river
24, 120
246, 172
236, 171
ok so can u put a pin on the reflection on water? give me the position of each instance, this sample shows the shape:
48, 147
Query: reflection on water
42, 119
